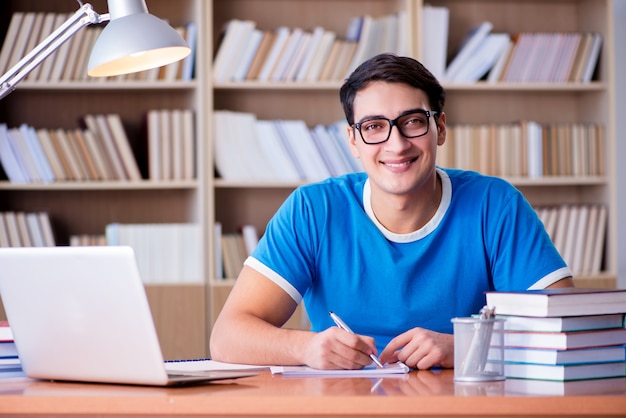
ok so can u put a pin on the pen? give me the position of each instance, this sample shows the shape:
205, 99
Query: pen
346, 328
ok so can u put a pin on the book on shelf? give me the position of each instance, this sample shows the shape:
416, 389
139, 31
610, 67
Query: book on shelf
320, 57
282, 34
261, 54
12, 34
171, 144
234, 38
565, 323
435, 27
233, 253
9, 158
269, 140
309, 53
614, 385
558, 302
605, 354
247, 56
25, 229
468, 48
565, 340
482, 60
165, 252
564, 372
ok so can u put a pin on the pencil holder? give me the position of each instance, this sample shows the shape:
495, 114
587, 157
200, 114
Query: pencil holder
478, 349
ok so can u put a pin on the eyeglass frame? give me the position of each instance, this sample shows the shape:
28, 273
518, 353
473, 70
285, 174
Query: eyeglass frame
392, 122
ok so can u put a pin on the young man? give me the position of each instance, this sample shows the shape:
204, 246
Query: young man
396, 251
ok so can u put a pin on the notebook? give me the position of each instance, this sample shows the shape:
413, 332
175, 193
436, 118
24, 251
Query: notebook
81, 314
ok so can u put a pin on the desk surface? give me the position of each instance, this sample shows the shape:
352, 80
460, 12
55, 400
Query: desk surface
421, 393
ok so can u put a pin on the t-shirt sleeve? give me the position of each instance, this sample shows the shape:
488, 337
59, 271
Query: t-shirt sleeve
522, 253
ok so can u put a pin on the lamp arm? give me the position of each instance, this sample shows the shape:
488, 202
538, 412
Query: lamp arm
82, 17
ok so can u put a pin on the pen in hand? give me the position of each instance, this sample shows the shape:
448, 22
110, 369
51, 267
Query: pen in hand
346, 328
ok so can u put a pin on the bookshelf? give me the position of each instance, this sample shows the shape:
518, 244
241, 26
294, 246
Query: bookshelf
253, 202
86, 207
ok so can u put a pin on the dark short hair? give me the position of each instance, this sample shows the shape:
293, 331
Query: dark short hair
392, 69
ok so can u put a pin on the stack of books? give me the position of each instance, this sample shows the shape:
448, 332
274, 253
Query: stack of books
10, 365
563, 335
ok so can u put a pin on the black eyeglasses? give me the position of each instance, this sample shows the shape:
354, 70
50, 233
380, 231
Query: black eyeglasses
413, 124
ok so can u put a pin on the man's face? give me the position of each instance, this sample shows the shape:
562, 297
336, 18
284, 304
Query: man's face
399, 165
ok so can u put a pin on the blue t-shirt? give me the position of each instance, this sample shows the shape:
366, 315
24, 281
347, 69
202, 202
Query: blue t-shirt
325, 246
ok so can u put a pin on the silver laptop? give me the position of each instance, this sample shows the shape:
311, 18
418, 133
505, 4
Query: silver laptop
81, 314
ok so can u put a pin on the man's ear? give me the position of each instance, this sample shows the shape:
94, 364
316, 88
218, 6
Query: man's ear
441, 129
352, 141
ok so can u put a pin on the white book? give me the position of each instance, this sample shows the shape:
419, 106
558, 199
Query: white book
34, 229
364, 40
468, 48
572, 231
299, 54
320, 57
22, 227
46, 229
561, 229
122, 144
600, 235
579, 239
592, 59
250, 47
495, 74
10, 219
339, 131
36, 150
435, 28
287, 54
4, 233
12, 166
235, 33
176, 116
97, 155
273, 149
282, 35
191, 36
106, 136
189, 145
483, 59
154, 154
165, 144
47, 26
9, 41
51, 154
250, 237
226, 149
23, 154
331, 149
534, 146
48, 64
217, 252
250, 152
305, 154
310, 53
19, 42
592, 229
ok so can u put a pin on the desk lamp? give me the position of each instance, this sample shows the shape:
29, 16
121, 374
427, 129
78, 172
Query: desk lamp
133, 40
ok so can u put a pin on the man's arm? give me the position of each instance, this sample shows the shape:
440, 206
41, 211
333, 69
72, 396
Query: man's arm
565, 282
248, 330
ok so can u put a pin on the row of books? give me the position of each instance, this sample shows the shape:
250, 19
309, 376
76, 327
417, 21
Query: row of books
25, 229
562, 334
250, 149
69, 63
525, 149
299, 54
171, 144
99, 152
578, 233
166, 253
232, 249
10, 364
540, 57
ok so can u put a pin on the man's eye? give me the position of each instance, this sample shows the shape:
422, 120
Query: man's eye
372, 126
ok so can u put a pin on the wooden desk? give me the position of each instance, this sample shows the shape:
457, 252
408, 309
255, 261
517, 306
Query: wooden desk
422, 393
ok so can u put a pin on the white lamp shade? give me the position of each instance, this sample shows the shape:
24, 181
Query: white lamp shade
135, 42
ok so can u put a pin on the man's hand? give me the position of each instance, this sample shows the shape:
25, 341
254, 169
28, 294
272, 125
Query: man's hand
335, 348
421, 349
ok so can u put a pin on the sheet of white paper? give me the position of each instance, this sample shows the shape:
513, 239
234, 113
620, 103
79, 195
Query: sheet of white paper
369, 371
